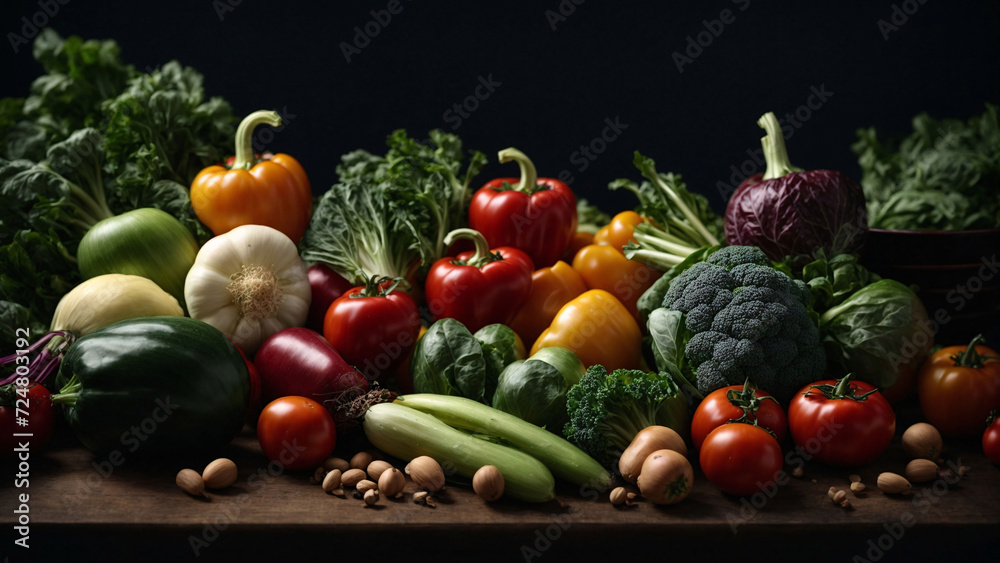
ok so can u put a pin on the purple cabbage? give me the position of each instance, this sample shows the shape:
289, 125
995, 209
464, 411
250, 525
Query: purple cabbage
788, 212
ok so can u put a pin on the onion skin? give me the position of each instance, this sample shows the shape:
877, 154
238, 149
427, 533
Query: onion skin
300, 362
327, 285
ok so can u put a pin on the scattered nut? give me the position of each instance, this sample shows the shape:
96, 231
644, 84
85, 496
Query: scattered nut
798, 472
352, 477
921, 470
361, 460
366, 485
371, 496
857, 487
376, 468
488, 483
426, 472
631, 496
839, 497
339, 491
831, 492
419, 496
219, 474
922, 441
336, 463
846, 503
391, 482
429, 501
319, 474
963, 470
332, 481
893, 484
855, 478
190, 482
619, 496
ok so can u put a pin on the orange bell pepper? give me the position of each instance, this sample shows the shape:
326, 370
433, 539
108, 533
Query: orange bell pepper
580, 240
270, 190
619, 231
551, 288
598, 329
605, 267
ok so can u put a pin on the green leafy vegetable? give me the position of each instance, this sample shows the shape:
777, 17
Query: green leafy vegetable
535, 389
606, 410
682, 221
95, 138
499, 350
448, 360
589, 217
943, 176
390, 213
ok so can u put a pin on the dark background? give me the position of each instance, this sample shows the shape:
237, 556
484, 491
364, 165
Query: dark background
557, 86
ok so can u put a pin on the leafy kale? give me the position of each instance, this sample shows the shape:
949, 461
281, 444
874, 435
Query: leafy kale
94, 138
391, 213
942, 176
606, 410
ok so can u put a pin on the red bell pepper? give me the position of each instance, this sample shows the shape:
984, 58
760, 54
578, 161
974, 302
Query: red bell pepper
536, 215
479, 287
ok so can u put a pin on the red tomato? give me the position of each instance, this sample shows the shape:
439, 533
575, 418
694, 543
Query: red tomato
32, 404
740, 459
374, 328
296, 432
958, 387
716, 409
841, 422
991, 439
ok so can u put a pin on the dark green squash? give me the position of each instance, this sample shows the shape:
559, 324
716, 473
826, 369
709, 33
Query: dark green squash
154, 385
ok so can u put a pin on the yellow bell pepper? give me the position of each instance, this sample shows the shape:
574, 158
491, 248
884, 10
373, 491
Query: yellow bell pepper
551, 288
598, 329
604, 267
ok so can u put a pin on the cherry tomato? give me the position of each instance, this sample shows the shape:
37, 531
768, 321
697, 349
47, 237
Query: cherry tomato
958, 387
296, 432
32, 404
374, 328
991, 438
740, 459
841, 422
716, 409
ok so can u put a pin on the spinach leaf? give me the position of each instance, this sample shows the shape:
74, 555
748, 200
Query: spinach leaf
448, 360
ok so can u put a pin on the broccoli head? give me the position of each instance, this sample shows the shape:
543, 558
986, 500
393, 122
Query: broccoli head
747, 320
606, 410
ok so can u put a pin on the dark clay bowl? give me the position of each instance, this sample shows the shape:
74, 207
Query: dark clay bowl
956, 273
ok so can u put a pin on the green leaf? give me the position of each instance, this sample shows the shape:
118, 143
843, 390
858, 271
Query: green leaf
448, 360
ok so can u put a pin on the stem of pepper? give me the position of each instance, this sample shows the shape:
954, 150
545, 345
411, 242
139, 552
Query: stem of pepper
482, 255
775, 152
245, 159
529, 176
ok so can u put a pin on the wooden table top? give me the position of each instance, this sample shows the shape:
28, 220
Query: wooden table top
81, 505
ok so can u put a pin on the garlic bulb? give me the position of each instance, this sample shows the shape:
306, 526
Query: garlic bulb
249, 283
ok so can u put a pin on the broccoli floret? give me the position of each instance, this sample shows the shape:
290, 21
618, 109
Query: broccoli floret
606, 410
747, 320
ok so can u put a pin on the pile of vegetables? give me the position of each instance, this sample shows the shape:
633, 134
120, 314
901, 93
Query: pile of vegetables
513, 332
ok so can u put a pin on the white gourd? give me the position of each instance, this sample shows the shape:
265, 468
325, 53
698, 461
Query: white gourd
249, 283
109, 298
